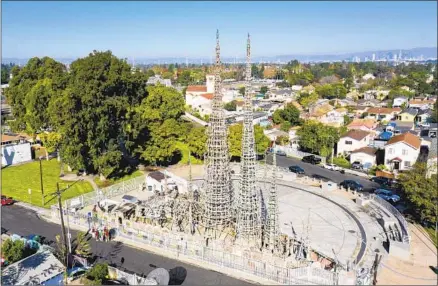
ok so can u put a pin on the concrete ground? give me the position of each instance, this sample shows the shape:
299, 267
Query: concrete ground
416, 270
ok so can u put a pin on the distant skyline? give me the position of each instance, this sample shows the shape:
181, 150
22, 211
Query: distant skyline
187, 29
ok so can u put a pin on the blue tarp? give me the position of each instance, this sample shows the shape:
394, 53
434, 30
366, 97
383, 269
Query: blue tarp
386, 135
393, 124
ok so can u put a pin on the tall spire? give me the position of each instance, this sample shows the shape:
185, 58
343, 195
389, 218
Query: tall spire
273, 223
248, 215
218, 193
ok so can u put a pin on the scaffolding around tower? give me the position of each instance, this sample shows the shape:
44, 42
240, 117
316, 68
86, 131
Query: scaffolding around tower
218, 191
272, 223
249, 209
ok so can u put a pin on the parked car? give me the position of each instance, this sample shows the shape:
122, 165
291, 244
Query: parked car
280, 153
7, 201
296, 169
384, 181
80, 172
129, 199
356, 165
312, 159
332, 167
387, 195
352, 185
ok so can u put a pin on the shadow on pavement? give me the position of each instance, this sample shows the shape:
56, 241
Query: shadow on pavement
177, 275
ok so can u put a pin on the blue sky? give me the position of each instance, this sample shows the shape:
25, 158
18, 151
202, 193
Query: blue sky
180, 29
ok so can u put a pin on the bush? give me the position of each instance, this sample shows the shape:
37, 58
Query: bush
373, 169
341, 162
13, 251
98, 273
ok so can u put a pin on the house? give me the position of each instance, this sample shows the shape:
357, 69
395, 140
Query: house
194, 93
383, 113
400, 127
157, 181
239, 105
368, 76
273, 134
41, 268
399, 101
334, 117
359, 110
293, 137
353, 95
153, 80
297, 87
432, 160
401, 151
424, 116
421, 104
353, 140
368, 125
15, 149
347, 102
407, 115
279, 94
368, 102
365, 155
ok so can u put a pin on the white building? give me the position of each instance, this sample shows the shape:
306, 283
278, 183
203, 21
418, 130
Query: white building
15, 150
153, 80
365, 155
353, 140
399, 101
334, 117
401, 151
368, 76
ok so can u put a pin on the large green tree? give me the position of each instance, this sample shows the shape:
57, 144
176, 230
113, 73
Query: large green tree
420, 192
289, 113
197, 140
13, 251
318, 138
235, 140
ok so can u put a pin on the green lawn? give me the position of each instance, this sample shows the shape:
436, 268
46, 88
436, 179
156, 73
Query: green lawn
184, 148
432, 234
16, 180
113, 181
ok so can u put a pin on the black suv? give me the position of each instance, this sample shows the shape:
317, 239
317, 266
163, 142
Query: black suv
311, 159
352, 185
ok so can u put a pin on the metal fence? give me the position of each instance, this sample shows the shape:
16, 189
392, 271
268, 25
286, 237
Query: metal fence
106, 193
403, 223
297, 276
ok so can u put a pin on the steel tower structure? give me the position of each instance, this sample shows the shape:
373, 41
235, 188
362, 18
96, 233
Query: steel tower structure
272, 227
218, 192
248, 210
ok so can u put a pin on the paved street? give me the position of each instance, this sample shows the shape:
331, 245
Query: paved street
310, 170
19, 220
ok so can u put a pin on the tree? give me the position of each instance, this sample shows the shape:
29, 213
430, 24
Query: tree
285, 126
230, 106
306, 99
434, 117
158, 118
242, 91
289, 113
318, 138
235, 140
97, 274
60, 250
13, 251
420, 192
197, 140
51, 142
347, 120
263, 89
282, 140
82, 247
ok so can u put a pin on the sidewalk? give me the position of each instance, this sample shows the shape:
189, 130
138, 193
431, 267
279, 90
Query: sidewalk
180, 257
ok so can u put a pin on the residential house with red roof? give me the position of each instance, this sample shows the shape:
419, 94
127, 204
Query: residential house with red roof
199, 97
401, 151
353, 140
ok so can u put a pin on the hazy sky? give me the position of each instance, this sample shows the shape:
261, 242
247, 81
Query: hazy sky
179, 29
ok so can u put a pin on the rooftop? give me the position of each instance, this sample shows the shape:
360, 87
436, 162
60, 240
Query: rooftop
33, 270
383, 110
369, 123
366, 150
196, 88
157, 175
356, 134
408, 138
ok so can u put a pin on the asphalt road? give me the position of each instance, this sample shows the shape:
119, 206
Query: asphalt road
22, 221
311, 170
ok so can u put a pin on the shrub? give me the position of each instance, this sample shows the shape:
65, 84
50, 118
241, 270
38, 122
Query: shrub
341, 162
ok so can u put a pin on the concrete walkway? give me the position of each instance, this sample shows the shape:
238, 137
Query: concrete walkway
74, 177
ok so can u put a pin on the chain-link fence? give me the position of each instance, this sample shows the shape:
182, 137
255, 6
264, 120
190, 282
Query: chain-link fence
297, 276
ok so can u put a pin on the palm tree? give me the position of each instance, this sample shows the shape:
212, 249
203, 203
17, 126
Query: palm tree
82, 247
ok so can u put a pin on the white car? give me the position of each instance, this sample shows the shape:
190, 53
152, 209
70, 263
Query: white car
332, 167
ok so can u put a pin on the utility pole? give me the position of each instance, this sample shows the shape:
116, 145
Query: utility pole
41, 181
64, 236
68, 229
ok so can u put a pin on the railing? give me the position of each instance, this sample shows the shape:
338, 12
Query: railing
403, 223
297, 276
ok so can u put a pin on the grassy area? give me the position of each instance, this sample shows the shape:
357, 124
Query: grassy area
184, 148
16, 180
112, 181
432, 234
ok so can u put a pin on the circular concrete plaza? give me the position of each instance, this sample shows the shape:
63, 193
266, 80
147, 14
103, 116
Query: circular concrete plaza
329, 228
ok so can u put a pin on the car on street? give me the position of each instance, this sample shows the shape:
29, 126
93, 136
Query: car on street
280, 153
312, 159
332, 167
387, 195
352, 185
383, 181
7, 201
357, 165
296, 169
